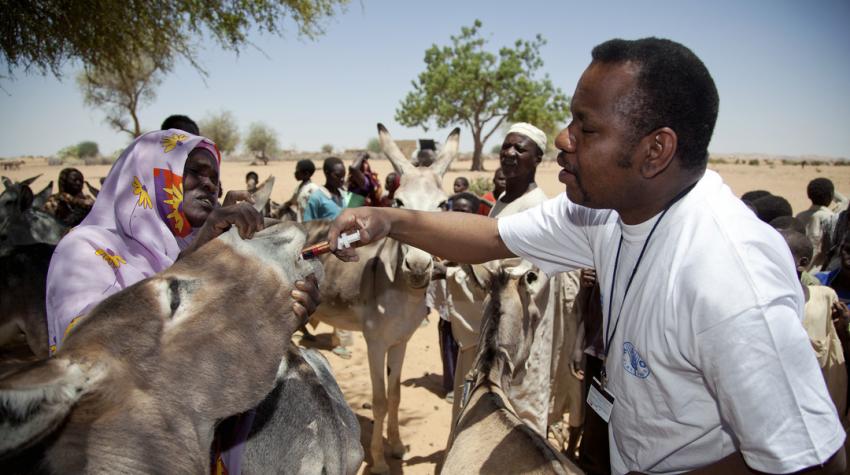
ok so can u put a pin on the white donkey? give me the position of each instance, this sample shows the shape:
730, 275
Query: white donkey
383, 294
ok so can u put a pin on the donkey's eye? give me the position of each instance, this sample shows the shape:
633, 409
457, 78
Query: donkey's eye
531, 277
174, 294
398, 203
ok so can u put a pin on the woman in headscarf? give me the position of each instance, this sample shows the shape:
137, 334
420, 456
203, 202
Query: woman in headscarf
363, 183
159, 201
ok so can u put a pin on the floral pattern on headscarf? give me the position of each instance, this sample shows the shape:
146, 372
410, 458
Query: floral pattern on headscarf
136, 238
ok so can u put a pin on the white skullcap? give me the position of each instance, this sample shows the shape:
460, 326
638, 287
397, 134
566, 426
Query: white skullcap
530, 131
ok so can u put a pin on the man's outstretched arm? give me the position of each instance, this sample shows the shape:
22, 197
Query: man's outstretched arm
459, 237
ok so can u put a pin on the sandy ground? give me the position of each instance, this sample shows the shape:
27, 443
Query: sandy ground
424, 415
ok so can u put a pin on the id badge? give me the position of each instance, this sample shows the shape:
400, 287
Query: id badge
600, 400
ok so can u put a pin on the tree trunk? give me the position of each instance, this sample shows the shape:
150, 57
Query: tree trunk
477, 160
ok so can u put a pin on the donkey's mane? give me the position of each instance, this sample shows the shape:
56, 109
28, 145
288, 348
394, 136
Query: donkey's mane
491, 351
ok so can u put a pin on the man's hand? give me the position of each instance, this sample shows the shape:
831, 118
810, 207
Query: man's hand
841, 320
242, 215
373, 224
588, 278
305, 298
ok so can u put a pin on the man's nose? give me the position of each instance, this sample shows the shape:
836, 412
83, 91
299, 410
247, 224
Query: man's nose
565, 141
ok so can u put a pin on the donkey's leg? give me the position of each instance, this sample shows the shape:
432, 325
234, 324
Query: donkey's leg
395, 359
377, 354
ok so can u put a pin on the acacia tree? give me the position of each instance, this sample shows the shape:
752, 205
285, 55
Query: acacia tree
221, 128
121, 91
463, 84
261, 140
44, 34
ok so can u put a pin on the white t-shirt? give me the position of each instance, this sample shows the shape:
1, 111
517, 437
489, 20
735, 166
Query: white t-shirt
710, 356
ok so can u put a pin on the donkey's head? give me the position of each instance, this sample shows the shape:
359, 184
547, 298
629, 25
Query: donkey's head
197, 342
421, 189
20, 223
510, 318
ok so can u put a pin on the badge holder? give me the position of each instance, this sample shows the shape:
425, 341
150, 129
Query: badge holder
600, 400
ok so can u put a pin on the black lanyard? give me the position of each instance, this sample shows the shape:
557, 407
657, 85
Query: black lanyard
610, 337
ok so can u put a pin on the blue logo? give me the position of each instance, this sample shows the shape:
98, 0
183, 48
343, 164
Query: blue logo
633, 363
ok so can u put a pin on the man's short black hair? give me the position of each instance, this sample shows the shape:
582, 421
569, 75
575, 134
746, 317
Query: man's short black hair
771, 207
788, 222
674, 89
820, 191
463, 180
754, 195
799, 244
252, 174
305, 166
330, 163
180, 122
465, 195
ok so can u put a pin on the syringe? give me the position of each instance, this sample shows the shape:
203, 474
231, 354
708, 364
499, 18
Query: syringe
343, 242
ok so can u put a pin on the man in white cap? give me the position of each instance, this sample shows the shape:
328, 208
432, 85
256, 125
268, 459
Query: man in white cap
522, 150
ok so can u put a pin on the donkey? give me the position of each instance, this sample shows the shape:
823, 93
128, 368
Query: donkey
141, 382
489, 437
27, 239
383, 295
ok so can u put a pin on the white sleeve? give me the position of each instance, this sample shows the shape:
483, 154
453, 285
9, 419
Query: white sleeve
769, 388
552, 235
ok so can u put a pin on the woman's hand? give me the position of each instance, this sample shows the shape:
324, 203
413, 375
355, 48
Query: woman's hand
305, 298
242, 215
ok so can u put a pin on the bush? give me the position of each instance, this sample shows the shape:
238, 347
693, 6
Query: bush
374, 145
327, 148
754, 162
87, 149
68, 152
480, 185
496, 149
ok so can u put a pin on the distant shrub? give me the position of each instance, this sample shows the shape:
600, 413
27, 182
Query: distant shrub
754, 162
54, 161
87, 149
496, 149
841, 163
374, 145
480, 185
817, 163
70, 151
327, 148
717, 161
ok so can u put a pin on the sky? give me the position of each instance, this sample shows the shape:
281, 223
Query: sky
782, 69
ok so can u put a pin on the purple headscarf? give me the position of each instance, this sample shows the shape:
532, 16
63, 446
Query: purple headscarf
135, 229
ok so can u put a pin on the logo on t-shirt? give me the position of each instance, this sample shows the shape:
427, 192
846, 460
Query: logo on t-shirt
633, 363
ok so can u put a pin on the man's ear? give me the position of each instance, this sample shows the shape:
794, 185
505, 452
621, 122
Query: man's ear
660, 150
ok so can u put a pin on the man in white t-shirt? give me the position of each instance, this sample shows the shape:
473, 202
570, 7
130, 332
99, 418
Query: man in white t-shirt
707, 360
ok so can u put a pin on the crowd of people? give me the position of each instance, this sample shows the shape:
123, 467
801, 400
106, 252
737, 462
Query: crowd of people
712, 332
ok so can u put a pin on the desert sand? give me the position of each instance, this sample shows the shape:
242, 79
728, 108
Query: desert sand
424, 415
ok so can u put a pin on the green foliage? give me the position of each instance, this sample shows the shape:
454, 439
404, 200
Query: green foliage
479, 186
222, 129
497, 148
261, 140
68, 152
374, 145
87, 149
464, 84
121, 91
45, 34
327, 148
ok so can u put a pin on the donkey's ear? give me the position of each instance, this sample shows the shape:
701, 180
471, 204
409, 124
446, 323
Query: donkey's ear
29, 181
36, 399
7, 182
448, 154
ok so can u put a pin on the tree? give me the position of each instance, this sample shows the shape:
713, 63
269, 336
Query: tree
261, 140
374, 145
44, 34
87, 149
463, 84
221, 128
121, 91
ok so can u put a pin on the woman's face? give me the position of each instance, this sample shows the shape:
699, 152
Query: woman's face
200, 187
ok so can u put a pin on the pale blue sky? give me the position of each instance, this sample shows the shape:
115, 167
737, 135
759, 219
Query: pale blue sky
782, 69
